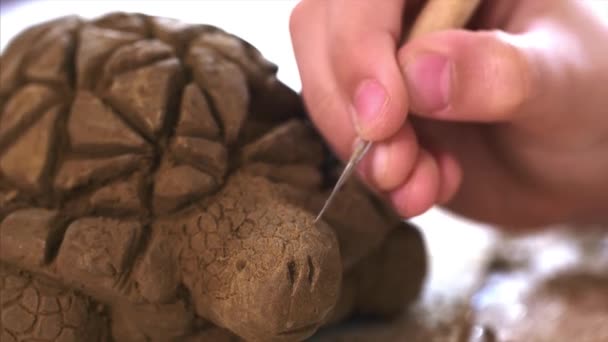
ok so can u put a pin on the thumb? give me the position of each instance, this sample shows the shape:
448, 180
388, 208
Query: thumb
469, 76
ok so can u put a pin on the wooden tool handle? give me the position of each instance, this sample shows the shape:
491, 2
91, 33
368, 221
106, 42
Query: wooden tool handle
442, 15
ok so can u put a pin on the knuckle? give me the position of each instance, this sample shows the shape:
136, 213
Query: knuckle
318, 100
326, 110
496, 66
298, 16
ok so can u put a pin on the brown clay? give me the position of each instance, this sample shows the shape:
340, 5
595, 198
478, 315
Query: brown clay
161, 176
36, 309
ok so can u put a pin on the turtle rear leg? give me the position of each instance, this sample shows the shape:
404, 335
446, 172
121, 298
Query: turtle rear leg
34, 309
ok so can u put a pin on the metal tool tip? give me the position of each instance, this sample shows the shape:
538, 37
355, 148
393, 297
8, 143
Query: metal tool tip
360, 150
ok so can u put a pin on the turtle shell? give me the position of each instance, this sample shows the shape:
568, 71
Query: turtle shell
129, 113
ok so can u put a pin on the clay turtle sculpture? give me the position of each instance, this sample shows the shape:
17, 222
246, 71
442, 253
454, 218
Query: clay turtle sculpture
157, 182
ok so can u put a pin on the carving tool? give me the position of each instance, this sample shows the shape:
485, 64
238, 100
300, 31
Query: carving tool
435, 16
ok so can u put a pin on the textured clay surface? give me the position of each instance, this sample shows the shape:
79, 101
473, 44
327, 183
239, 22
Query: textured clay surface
158, 183
34, 309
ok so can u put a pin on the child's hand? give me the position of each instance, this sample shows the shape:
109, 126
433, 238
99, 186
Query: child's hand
511, 120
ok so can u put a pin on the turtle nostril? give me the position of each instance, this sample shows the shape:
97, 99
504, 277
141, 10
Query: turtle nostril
291, 272
240, 265
311, 270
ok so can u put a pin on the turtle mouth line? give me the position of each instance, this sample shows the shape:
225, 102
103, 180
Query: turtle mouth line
304, 329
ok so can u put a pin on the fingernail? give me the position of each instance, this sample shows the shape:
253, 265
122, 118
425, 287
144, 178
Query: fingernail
369, 101
428, 78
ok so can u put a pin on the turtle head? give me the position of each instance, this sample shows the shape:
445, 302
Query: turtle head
267, 270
